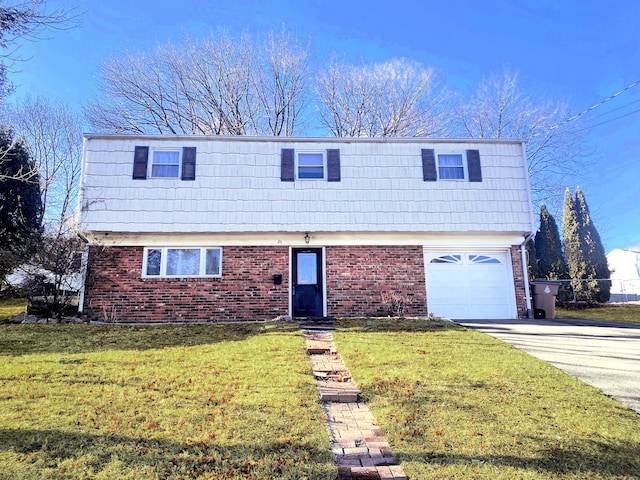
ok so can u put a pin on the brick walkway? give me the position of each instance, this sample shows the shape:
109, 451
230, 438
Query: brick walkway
359, 448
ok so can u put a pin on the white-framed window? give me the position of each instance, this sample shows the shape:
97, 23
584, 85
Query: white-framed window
454, 259
451, 166
168, 262
311, 165
165, 163
475, 259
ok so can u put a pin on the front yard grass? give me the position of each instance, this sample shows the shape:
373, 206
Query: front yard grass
613, 313
458, 404
239, 402
12, 306
162, 402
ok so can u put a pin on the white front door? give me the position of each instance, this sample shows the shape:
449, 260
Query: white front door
469, 285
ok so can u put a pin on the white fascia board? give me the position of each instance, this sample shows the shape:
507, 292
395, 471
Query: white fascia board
198, 139
318, 239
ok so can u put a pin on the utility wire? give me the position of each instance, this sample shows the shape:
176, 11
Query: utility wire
609, 112
575, 117
612, 119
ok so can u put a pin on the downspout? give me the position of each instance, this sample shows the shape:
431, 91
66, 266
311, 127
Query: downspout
525, 273
83, 271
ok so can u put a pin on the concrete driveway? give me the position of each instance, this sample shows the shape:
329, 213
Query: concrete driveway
603, 354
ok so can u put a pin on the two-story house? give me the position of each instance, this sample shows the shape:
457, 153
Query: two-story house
214, 228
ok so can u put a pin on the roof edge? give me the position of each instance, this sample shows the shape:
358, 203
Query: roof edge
246, 138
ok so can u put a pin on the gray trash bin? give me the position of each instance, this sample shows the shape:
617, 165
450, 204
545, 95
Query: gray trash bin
544, 297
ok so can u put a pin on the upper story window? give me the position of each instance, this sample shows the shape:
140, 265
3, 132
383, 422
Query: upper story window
165, 163
311, 165
450, 167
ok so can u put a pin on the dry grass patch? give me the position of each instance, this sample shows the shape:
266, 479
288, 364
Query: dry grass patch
170, 402
459, 404
613, 313
11, 307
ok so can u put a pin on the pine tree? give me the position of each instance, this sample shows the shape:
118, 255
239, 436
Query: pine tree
20, 204
576, 265
595, 257
583, 251
551, 263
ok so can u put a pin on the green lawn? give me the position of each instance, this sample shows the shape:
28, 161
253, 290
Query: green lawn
239, 402
458, 404
11, 307
165, 402
615, 313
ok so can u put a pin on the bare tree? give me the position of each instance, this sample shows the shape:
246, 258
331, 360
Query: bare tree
27, 19
218, 85
52, 133
398, 98
281, 82
500, 109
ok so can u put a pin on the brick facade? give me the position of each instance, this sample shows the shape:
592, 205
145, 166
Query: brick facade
518, 281
357, 276
116, 291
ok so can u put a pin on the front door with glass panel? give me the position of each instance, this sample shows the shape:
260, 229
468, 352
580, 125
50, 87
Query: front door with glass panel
306, 288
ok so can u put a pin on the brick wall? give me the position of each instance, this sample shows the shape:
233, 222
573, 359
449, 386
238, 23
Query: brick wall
356, 277
116, 291
518, 280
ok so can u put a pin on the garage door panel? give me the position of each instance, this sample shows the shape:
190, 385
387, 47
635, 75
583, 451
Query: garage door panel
468, 285
452, 311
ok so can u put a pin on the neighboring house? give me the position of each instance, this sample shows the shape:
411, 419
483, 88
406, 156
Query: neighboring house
197, 228
625, 275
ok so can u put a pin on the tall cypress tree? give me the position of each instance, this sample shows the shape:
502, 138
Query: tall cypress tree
595, 257
583, 251
551, 263
576, 265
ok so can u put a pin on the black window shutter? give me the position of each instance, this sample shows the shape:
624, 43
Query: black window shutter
333, 165
429, 165
287, 165
140, 158
189, 163
473, 165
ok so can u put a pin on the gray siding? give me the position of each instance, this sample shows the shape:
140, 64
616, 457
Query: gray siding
238, 189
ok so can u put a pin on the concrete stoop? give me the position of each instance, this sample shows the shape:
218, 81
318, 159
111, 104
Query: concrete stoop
359, 448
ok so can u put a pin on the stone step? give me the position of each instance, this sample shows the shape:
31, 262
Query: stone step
338, 392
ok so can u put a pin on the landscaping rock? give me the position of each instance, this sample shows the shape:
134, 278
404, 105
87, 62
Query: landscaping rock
31, 319
19, 318
72, 320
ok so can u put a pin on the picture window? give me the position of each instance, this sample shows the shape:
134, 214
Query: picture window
182, 262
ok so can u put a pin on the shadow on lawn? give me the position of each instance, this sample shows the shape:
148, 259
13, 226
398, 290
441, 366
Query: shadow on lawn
18, 340
165, 458
377, 325
588, 458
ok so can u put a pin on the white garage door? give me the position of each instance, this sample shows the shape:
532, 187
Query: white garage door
468, 285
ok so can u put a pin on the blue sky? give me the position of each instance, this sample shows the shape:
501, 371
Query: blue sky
578, 50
